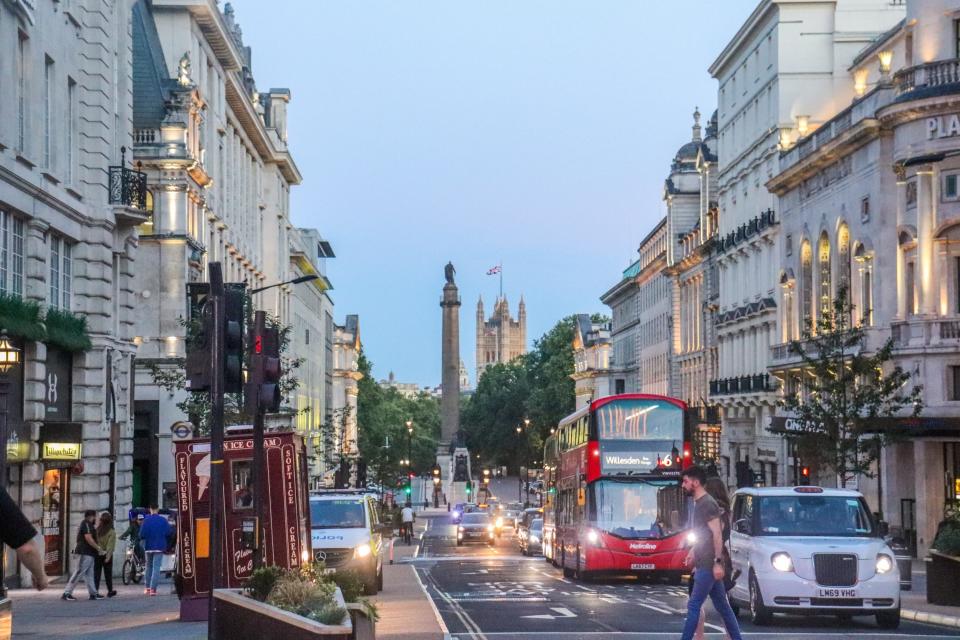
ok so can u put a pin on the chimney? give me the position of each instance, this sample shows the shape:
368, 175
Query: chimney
276, 111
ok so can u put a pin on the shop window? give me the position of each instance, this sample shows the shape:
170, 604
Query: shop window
242, 484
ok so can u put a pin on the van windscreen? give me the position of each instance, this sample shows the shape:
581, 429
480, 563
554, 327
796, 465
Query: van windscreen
336, 514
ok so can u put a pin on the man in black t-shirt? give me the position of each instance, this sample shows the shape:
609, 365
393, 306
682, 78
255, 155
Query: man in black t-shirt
17, 532
87, 551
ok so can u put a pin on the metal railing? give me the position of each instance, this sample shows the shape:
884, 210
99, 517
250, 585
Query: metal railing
758, 383
128, 188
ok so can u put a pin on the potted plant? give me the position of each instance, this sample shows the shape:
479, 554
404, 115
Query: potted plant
363, 612
279, 604
943, 564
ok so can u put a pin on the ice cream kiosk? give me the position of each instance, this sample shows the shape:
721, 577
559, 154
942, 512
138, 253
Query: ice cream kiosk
285, 534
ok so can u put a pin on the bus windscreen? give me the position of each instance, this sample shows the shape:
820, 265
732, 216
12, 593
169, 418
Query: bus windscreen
637, 419
638, 509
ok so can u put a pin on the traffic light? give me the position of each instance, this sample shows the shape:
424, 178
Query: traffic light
407, 489
263, 377
199, 340
469, 489
804, 476
233, 321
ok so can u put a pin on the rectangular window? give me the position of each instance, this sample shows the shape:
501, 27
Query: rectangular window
956, 38
307, 336
866, 304
21, 91
54, 272
47, 111
911, 290
71, 124
61, 273
865, 209
955, 383
911, 193
950, 186
11, 254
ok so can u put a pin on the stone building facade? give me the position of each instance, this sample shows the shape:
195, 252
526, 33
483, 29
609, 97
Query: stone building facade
871, 193
591, 360
777, 77
215, 153
69, 206
500, 338
343, 407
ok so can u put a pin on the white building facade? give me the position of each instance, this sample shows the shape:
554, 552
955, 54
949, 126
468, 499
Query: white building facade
69, 206
784, 70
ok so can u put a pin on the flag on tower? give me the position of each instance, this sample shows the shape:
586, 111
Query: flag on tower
493, 271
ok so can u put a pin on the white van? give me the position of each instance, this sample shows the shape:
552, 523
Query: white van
811, 551
346, 534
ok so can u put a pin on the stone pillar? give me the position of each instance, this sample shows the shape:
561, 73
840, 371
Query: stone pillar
928, 455
926, 222
901, 263
450, 373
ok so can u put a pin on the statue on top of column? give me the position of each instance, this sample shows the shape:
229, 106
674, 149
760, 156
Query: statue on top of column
449, 272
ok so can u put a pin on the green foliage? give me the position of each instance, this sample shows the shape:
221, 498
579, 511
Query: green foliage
840, 417
262, 582
350, 583
536, 386
948, 540
67, 331
382, 414
21, 318
309, 598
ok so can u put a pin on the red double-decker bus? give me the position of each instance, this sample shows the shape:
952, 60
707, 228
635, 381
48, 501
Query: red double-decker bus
617, 505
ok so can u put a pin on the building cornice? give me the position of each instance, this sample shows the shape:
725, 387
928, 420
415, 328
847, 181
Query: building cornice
753, 21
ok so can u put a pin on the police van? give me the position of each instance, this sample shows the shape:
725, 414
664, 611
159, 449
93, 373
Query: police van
346, 533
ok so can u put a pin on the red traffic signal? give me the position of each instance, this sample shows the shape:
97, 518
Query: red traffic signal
262, 391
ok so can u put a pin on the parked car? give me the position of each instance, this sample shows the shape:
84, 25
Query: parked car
476, 527
811, 551
347, 534
531, 542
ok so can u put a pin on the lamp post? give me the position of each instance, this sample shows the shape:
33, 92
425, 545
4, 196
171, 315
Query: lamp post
519, 475
9, 358
410, 460
306, 278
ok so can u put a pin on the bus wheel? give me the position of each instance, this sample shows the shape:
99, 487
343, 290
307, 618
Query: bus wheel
567, 573
577, 573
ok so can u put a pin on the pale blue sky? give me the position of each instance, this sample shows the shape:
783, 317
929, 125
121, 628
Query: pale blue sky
538, 133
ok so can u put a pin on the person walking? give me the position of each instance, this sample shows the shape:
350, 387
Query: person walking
107, 538
717, 489
406, 516
154, 533
17, 532
706, 557
87, 550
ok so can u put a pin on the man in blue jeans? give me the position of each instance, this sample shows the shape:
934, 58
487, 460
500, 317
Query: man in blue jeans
707, 557
154, 533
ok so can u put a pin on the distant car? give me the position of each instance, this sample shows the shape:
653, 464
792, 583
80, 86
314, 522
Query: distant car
531, 542
811, 551
476, 527
528, 516
456, 513
510, 517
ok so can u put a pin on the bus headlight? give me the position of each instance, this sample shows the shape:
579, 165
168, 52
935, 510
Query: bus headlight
781, 561
884, 563
691, 539
362, 551
593, 538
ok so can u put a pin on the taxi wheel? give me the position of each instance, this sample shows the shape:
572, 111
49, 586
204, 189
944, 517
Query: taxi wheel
889, 619
759, 614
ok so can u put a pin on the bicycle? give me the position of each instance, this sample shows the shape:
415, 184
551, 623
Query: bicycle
133, 565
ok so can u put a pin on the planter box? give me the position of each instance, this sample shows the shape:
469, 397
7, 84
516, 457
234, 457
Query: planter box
364, 628
241, 617
943, 579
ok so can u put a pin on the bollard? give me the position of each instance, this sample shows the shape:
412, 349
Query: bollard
392, 540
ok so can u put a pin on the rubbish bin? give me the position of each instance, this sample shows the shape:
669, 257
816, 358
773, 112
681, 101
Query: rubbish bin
901, 553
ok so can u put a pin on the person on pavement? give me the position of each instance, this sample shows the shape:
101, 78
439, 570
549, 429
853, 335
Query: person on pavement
87, 550
154, 533
706, 557
406, 516
717, 489
17, 532
133, 533
107, 539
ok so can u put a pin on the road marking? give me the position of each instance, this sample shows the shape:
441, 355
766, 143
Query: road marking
562, 611
650, 606
433, 605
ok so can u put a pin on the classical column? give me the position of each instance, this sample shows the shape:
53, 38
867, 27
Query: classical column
901, 263
450, 374
926, 222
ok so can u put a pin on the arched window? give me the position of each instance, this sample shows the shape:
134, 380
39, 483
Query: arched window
845, 280
806, 284
824, 283
864, 259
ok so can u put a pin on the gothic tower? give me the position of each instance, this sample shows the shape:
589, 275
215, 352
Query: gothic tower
500, 338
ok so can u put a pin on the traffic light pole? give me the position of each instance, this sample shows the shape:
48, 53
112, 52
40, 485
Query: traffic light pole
259, 455
216, 443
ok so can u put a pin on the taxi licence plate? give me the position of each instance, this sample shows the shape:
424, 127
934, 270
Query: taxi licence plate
837, 593
643, 567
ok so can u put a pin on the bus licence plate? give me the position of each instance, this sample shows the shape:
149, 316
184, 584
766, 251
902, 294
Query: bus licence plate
837, 593
643, 567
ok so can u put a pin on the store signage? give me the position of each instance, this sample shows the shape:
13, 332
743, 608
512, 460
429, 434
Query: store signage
946, 126
61, 451
57, 396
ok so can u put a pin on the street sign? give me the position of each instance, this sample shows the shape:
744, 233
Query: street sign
181, 429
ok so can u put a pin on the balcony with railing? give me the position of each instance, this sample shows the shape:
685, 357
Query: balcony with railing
739, 385
921, 333
127, 192
931, 78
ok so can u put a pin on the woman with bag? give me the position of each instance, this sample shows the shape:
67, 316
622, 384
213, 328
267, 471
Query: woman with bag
107, 538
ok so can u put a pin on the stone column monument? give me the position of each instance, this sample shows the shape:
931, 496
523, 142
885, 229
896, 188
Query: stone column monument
453, 482
450, 374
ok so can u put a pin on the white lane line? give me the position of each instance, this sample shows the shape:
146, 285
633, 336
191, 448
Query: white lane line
433, 605
583, 588
472, 627
650, 606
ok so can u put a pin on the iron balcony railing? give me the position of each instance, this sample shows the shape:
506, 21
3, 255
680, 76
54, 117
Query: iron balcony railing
758, 383
128, 188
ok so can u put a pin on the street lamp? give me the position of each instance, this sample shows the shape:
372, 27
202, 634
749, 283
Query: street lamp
9, 358
519, 473
307, 278
409, 460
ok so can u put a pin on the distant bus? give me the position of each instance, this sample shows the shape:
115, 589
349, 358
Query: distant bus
615, 498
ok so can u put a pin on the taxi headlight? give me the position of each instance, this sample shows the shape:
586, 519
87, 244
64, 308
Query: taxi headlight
460, 529
884, 563
499, 522
362, 551
490, 528
781, 561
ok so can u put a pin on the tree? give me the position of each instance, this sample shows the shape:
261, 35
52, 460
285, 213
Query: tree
840, 418
492, 414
